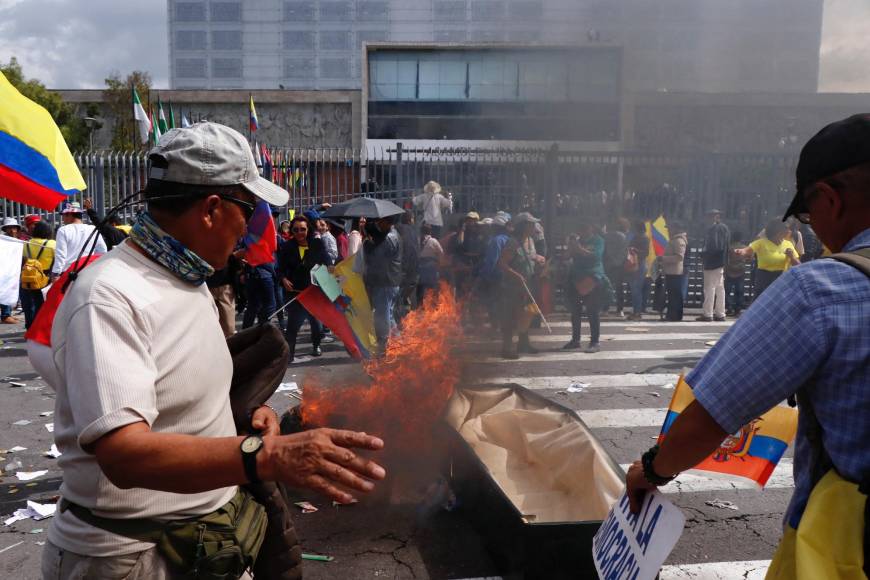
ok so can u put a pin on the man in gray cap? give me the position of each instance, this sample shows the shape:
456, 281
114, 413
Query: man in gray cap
805, 336
142, 374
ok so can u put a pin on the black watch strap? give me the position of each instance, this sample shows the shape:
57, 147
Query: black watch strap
649, 473
249, 459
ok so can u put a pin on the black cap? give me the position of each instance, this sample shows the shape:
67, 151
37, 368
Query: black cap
835, 148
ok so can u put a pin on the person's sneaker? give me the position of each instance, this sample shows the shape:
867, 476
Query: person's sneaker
592, 348
620, 314
719, 318
327, 339
703, 318
316, 351
572, 345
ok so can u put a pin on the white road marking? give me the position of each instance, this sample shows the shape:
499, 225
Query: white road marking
623, 418
781, 478
627, 355
748, 569
563, 337
627, 380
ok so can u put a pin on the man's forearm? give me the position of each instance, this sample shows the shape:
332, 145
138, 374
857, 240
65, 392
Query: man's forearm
692, 437
134, 456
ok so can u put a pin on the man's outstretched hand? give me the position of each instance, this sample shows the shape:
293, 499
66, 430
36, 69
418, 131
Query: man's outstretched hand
322, 460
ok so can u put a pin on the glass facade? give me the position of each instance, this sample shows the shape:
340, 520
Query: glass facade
669, 45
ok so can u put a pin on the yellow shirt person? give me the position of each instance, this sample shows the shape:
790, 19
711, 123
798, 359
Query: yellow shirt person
771, 256
33, 247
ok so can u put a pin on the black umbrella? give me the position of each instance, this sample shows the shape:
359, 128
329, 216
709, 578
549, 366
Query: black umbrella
363, 207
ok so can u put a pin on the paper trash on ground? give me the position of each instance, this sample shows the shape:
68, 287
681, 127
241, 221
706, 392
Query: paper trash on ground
50, 427
53, 452
17, 448
722, 504
287, 387
46, 414
28, 475
35, 511
634, 546
576, 387
307, 508
23, 422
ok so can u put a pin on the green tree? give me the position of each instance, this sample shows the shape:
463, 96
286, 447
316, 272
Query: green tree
118, 101
72, 125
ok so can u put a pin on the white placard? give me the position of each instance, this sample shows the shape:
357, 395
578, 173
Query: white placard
634, 546
10, 269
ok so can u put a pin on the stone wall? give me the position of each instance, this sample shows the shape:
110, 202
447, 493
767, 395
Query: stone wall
299, 119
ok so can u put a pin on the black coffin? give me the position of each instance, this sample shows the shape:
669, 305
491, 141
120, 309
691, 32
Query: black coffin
531, 478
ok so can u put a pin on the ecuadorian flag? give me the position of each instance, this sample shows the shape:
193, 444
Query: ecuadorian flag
36, 166
751, 453
355, 303
657, 232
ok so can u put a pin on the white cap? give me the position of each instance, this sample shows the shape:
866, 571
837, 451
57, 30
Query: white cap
10, 222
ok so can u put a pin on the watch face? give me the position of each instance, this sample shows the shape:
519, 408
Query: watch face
251, 444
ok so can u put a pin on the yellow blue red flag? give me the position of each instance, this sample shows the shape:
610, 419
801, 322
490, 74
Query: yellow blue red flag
36, 166
254, 123
356, 305
751, 453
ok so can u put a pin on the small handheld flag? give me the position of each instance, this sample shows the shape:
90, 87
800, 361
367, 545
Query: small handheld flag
261, 239
254, 124
161, 118
171, 117
184, 122
751, 453
141, 117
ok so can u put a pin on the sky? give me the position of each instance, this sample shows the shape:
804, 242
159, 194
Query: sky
75, 44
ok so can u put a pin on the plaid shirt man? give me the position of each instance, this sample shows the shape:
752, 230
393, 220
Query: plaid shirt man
812, 324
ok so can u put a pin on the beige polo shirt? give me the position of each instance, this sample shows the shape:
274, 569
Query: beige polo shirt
132, 342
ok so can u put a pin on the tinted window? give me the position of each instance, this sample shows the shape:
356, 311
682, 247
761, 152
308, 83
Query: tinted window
226, 39
226, 68
190, 11
226, 12
190, 39
192, 68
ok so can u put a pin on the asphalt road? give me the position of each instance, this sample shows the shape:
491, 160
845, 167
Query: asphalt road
629, 386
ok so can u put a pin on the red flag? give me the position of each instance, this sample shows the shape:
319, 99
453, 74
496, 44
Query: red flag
316, 303
261, 240
40, 329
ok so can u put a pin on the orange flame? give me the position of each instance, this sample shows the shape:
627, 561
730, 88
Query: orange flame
410, 385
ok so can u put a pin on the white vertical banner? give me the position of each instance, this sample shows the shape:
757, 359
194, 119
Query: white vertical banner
10, 269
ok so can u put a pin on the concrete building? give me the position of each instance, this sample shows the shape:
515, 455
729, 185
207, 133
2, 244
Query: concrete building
710, 46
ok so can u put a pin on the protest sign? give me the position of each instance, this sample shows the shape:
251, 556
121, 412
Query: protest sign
321, 276
10, 269
634, 546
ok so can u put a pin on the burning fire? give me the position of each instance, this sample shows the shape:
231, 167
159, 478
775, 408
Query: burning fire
409, 386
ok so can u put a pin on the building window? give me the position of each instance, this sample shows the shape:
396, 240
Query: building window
298, 40
450, 35
450, 11
335, 68
226, 68
298, 12
334, 11
298, 68
190, 11
334, 40
190, 39
372, 10
226, 11
226, 39
190, 68
487, 10
527, 9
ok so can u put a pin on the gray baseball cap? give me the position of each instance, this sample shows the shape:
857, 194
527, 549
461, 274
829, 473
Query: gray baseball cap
213, 154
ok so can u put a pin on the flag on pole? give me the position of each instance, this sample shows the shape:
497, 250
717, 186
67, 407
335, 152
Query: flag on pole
161, 118
171, 117
255, 148
356, 305
330, 314
36, 166
267, 163
184, 121
751, 453
658, 235
261, 239
254, 124
141, 117
155, 129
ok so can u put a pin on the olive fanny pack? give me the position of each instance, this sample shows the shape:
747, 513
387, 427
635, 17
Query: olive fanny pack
220, 545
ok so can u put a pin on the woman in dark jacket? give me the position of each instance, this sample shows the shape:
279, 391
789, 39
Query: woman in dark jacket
296, 257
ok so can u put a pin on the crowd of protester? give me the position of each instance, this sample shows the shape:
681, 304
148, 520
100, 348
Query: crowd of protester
502, 265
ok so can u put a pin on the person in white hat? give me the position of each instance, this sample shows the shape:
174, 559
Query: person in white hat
10, 228
433, 204
142, 373
71, 238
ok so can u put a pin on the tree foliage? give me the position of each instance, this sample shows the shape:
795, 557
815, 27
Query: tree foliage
118, 101
71, 123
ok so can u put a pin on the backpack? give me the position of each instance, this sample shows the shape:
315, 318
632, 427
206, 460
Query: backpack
33, 275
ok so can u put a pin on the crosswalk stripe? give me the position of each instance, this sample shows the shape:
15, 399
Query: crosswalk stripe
622, 418
706, 326
568, 356
781, 478
746, 569
637, 337
627, 380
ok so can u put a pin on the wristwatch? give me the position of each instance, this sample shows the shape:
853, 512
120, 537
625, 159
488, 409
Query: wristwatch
250, 447
649, 473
